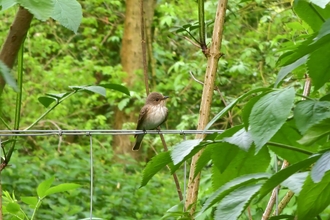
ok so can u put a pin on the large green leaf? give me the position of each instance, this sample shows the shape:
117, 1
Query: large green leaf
237, 163
7, 4
285, 70
41, 9
204, 158
313, 198
30, 200
316, 132
312, 14
95, 89
183, 149
269, 114
318, 65
232, 104
289, 135
321, 167
282, 175
295, 182
242, 139
68, 13
9, 79
232, 206
310, 112
116, 87
248, 108
231, 186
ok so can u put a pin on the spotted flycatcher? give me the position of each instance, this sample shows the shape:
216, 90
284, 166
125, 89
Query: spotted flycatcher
152, 115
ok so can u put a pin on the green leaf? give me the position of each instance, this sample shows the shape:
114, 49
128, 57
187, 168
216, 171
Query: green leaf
289, 135
157, 163
44, 186
231, 186
68, 13
181, 150
9, 79
95, 89
233, 205
295, 182
316, 132
313, 198
62, 188
41, 9
318, 66
320, 3
204, 158
116, 87
30, 200
321, 167
285, 70
310, 112
248, 108
13, 207
325, 29
46, 100
282, 175
7, 4
286, 217
58, 96
269, 114
232, 104
237, 162
242, 139
309, 13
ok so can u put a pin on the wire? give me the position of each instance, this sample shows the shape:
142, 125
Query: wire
96, 132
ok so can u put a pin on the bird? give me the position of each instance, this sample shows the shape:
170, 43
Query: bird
153, 114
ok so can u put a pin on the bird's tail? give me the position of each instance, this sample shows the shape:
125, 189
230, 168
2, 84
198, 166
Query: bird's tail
139, 139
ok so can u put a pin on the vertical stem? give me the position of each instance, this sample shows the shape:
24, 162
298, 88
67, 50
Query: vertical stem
204, 112
144, 50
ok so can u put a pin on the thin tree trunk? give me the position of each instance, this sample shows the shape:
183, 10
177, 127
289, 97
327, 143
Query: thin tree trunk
15, 37
204, 112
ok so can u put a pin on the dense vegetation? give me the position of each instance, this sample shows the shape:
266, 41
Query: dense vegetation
263, 43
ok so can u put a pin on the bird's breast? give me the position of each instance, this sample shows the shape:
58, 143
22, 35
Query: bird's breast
155, 117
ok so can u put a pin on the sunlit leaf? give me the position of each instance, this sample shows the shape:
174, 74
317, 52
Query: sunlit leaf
44, 186
321, 167
62, 188
41, 9
316, 132
181, 150
5, 72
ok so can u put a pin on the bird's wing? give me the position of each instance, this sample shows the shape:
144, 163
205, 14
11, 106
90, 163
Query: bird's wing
143, 114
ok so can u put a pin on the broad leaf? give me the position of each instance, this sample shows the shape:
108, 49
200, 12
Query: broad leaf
321, 167
320, 3
232, 104
9, 79
41, 9
318, 65
157, 163
231, 186
7, 4
310, 112
44, 186
232, 206
316, 132
313, 198
30, 200
204, 158
13, 207
183, 149
237, 163
242, 139
269, 114
295, 182
95, 89
289, 135
282, 175
68, 13
62, 188
325, 29
285, 70
116, 87
248, 108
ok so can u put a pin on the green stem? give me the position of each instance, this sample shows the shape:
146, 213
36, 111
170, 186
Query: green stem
50, 109
201, 20
18, 100
36, 208
290, 148
5, 123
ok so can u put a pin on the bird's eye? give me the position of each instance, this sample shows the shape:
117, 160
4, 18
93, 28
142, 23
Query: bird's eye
157, 100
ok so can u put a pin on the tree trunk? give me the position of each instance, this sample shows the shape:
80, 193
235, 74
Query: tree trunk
131, 60
16, 35
204, 112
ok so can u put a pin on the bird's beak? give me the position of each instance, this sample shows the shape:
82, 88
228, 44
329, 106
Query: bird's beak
165, 97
